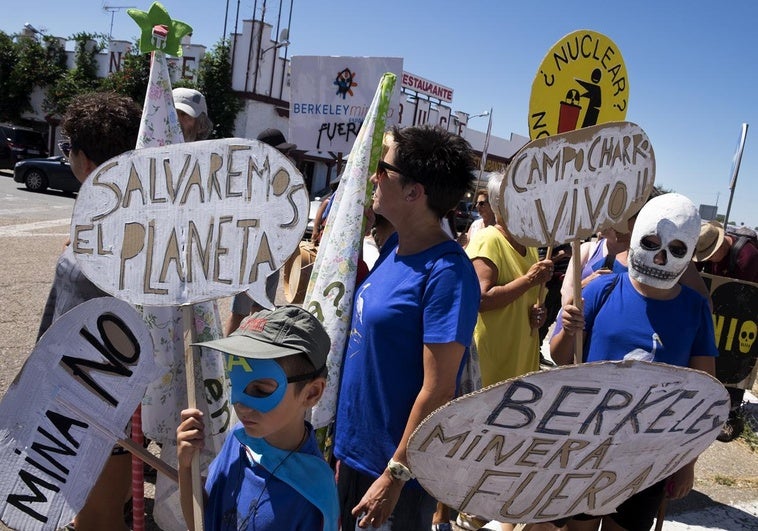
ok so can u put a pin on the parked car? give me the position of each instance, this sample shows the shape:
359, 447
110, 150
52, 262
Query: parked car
40, 174
19, 143
463, 216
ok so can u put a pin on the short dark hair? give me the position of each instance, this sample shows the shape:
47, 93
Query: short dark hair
439, 160
102, 125
300, 365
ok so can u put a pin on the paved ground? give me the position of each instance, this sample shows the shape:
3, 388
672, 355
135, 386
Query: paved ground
33, 228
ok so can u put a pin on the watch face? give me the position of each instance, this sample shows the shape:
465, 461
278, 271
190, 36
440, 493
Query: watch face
398, 471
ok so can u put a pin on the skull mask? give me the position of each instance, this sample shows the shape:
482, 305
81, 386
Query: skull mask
663, 240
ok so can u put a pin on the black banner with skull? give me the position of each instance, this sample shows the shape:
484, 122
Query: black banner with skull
735, 310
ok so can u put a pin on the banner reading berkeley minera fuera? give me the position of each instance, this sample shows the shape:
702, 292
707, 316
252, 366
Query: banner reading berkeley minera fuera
331, 97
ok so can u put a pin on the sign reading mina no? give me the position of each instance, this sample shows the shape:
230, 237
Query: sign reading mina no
184, 223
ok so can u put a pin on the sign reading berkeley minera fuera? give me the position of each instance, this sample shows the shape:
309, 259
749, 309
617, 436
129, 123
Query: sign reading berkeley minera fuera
189, 222
579, 439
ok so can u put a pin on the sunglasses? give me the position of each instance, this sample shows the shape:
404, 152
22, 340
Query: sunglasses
65, 148
384, 167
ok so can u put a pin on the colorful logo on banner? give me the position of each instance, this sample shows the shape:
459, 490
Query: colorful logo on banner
345, 82
578, 439
581, 82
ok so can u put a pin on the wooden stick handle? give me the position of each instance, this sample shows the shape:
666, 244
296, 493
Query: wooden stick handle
661, 516
189, 368
161, 466
576, 251
548, 255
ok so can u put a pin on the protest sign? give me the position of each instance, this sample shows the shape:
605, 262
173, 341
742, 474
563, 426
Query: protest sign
67, 407
735, 307
576, 439
331, 97
330, 290
186, 223
581, 82
569, 186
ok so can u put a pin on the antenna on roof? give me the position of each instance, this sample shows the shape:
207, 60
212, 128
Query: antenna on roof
112, 10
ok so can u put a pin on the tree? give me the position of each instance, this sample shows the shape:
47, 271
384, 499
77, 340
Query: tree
215, 82
79, 80
133, 77
26, 62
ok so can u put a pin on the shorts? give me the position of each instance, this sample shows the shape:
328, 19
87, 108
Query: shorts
413, 511
635, 514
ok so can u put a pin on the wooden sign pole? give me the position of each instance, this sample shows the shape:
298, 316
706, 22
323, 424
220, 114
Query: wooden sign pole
548, 255
576, 252
189, 367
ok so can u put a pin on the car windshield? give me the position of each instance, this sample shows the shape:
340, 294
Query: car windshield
27, 138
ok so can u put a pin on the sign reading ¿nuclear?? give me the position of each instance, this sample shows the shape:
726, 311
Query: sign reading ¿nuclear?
579, 439
185, 223
569, 186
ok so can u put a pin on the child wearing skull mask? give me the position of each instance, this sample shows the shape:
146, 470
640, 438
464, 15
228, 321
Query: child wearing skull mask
645, 314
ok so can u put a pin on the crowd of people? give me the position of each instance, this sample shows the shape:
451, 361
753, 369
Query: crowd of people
431, 307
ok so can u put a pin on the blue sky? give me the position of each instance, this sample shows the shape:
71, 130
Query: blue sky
692, 65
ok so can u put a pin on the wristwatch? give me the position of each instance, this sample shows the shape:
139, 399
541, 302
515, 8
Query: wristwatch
399, 470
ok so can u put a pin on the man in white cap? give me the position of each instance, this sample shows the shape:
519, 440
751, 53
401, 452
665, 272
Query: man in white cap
193, 114
733, 256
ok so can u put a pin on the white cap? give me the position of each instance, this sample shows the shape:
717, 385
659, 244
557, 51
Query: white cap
189, 101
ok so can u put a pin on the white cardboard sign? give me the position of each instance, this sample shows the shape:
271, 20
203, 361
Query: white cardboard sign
67, 407
569, 186
185, 223
578, 439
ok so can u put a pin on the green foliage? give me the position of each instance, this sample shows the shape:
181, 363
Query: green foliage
216, 84
25, 63
79, 80
133, 77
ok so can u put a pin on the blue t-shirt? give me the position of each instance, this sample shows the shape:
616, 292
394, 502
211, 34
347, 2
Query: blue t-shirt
244, 495
406, 302
666, 331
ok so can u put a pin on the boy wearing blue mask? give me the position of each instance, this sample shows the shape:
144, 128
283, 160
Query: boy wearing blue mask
270, 474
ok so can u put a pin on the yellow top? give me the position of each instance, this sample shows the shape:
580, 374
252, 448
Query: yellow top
505, 343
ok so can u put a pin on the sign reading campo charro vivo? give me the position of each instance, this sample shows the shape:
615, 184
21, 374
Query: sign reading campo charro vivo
185, 223
581, 82
67, 407
578, 439
568, 186
331, 97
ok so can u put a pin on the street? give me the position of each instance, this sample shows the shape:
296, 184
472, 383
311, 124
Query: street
34, 227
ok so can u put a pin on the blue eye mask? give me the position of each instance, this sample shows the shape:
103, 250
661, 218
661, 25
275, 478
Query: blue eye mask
242, 371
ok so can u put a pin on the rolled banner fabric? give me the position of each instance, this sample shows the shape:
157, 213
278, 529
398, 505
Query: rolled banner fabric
332, 284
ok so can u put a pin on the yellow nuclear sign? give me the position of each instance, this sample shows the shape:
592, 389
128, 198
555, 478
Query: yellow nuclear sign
581, 82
